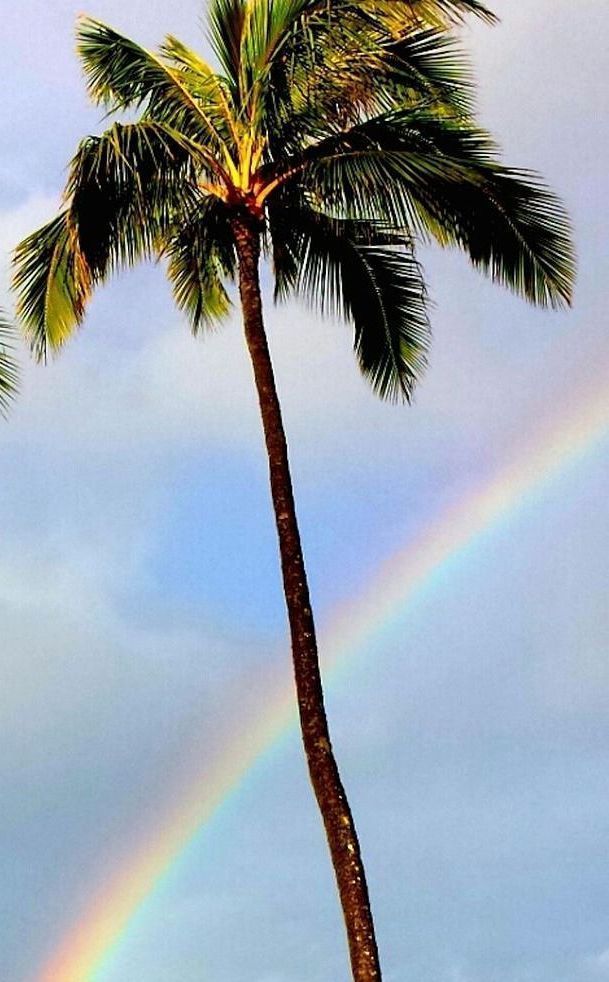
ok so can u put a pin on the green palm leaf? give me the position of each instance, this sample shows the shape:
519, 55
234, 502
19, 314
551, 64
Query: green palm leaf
442, 177
437, 12
125, 188
226, 29
367, 275
292, 55
53, 283
201, 256
122, 75
9, 372
424, 69
427, 67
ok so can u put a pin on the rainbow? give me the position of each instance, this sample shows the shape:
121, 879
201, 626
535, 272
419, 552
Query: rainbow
87, 948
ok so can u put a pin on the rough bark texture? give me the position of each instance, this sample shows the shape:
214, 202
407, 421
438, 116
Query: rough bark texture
329, 791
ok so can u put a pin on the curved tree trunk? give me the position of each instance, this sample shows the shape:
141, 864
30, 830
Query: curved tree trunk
329, 791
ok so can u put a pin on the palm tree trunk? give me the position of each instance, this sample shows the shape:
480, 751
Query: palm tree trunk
325, 777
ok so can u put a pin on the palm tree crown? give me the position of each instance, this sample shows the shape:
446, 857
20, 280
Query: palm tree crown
342, 127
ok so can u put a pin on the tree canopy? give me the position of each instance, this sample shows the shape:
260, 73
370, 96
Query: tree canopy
345, 128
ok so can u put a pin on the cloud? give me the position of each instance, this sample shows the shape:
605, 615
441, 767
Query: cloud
598, 965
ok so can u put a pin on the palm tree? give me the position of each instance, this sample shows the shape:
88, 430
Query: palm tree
9, 375
332, 136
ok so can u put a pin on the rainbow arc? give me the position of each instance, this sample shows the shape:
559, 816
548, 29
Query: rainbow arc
82, 954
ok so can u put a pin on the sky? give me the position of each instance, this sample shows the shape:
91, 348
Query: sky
141, 613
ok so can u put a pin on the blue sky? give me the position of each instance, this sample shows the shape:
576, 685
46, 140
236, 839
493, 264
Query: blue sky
140, 598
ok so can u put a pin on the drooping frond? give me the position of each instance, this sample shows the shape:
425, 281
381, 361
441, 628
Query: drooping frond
427, 67
53, 283
443, 177
9, 373
511, 226
125, 188
393, 360
201, 255
366, 274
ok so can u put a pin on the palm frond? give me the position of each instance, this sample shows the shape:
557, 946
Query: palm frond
53, 283
402, 16
123, 192
249, 38
451, 11
226, 27
206, 85
443, 177
346, 68
429, 67
122, 75
511, 226
366, 274
294, 64
9, 372
201, 256
125, 188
